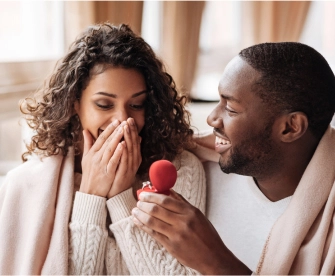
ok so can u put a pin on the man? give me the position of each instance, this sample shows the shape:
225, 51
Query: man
273, 205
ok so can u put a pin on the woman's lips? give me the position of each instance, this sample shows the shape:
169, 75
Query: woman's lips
221, 145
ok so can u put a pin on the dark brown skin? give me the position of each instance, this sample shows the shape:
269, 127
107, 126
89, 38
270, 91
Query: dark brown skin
240, 117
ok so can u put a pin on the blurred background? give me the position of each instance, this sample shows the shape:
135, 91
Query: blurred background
195, 40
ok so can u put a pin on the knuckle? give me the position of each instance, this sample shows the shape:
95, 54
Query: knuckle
113, 162
154, 209
189, 224
165, 201
150, 221
102, 137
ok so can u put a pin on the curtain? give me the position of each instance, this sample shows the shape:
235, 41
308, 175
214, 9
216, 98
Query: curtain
273, 21
80, 14
180, 40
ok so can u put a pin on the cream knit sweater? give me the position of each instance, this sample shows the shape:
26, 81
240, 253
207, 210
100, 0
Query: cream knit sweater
126, 249
42, 231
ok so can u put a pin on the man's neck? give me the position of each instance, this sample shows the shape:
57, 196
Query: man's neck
283, 182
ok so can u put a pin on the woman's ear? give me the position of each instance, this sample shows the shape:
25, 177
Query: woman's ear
292, 126
75, 109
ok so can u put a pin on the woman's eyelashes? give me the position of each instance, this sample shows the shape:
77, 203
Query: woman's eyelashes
107, 106
104, 105
137, 106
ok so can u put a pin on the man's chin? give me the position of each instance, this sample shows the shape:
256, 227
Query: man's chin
225, 167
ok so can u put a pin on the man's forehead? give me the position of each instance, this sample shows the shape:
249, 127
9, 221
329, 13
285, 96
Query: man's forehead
238, 73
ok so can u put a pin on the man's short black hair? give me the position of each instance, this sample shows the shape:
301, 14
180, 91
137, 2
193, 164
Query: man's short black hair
294, 77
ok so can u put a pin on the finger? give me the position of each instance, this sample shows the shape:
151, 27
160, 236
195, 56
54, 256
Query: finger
152, 222
111, 143
88, 141
135, 142
123, 166
105, 134
114, 161
127, 138
167, 202
160, 238
157, 211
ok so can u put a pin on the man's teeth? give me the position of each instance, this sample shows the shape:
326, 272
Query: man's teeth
221, 141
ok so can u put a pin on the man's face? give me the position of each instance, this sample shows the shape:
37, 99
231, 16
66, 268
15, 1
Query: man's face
242, 125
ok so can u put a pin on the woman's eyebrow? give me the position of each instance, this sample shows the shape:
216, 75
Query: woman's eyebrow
115, 96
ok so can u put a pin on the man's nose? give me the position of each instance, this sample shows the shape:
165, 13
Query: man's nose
214, 119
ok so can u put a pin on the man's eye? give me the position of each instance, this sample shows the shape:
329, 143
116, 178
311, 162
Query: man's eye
231, 111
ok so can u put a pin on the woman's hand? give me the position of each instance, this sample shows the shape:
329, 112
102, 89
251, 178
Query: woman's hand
101, 159
130, 160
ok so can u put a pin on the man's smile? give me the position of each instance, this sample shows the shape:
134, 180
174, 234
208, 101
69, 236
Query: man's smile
222, 143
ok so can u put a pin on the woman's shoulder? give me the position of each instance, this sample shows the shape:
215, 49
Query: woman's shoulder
187, 159
35, 171
191, 181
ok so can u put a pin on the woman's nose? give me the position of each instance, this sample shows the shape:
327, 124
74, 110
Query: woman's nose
121, 115
214, 119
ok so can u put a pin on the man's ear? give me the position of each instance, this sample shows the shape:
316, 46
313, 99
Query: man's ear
292, 126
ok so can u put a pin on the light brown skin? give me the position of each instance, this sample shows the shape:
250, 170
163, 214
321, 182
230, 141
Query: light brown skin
112, 114
180, 227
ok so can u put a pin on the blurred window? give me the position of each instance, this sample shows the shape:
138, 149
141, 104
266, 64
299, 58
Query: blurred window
319, 29
32, 39
220, 40
31, 30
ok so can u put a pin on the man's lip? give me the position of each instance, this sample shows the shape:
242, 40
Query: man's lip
221, 148
218, 134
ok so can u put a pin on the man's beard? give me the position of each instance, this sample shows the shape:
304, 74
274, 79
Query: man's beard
253, 156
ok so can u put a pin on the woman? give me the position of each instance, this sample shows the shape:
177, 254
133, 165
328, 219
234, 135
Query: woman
108, 112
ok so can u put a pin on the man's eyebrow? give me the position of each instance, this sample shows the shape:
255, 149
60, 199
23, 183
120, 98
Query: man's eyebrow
115, 96
229, 98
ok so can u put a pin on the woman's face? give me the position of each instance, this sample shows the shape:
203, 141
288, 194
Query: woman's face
116, 93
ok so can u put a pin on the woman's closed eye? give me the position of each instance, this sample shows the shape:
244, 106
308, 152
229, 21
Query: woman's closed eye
104, 105
137, 106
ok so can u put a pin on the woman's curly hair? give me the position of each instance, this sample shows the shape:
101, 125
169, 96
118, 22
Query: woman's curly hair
50, 113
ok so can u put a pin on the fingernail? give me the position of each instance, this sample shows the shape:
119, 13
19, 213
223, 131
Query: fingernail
131, 121
126, 128
119, 146
115, 123
134, 211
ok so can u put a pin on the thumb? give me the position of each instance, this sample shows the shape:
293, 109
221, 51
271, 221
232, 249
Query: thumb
88, 141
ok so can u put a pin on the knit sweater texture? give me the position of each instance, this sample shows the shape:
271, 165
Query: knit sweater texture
43, 231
